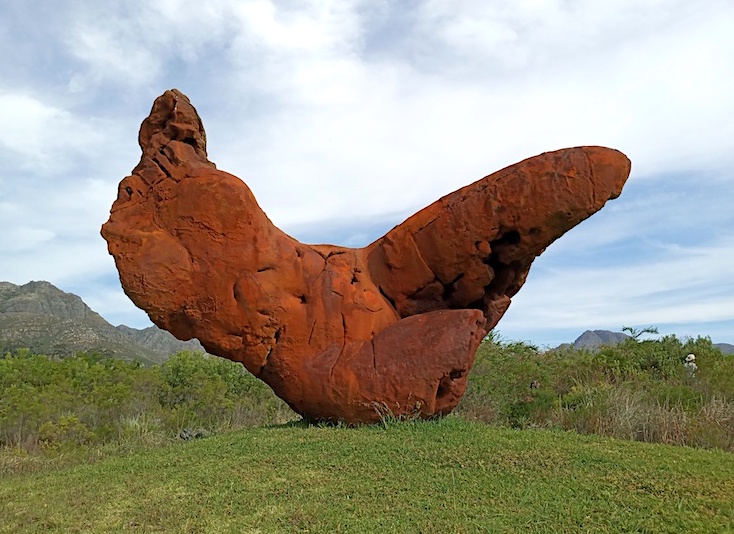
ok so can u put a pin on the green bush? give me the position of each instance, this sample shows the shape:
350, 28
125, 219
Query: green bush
635, 390
68, 429
89, 399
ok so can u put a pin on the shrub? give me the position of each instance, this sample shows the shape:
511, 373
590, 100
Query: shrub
88, 398
68, 429
635, 390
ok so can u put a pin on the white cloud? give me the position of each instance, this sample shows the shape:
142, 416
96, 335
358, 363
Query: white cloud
317, 28
385, 134
60, 260
56, 238
110, 54
681, 285
20, 238
40, 137
339, 109
141, 42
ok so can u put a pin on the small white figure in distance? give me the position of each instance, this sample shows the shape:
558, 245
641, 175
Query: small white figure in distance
690, 365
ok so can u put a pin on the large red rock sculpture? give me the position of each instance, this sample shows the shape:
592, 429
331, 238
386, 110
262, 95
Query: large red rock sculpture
340, 334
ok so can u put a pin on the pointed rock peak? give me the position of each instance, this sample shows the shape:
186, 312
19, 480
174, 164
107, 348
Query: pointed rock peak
172, 118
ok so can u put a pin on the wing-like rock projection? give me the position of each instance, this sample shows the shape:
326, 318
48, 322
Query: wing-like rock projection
340, 334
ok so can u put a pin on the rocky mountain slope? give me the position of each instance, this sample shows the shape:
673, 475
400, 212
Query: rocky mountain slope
41, 317
593, 339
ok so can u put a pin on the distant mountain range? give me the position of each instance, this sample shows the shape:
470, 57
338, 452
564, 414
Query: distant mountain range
594, 339
41, 317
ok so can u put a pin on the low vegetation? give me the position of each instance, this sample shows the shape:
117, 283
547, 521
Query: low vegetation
57, 412
636, 390
61, 411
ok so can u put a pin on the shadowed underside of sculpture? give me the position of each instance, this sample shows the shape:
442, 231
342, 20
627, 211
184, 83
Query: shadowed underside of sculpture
340, 334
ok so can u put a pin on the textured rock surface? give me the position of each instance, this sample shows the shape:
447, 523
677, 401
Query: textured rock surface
339, 333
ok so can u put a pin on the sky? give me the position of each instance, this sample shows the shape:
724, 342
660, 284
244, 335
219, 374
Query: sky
345, 117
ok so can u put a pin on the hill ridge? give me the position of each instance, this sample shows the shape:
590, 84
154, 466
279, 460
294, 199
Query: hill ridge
41, 317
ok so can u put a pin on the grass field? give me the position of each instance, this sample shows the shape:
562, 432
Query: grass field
436, 476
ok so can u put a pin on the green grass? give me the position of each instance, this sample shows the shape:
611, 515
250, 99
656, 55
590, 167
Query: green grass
435, 476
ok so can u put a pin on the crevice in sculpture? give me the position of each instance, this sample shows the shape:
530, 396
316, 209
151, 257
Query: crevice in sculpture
340, 334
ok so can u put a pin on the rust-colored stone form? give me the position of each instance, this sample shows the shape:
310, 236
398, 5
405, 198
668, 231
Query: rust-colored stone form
340, 334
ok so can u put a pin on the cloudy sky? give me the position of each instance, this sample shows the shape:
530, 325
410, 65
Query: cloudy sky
345, 117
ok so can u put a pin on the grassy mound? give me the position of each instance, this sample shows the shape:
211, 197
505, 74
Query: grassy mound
436, 476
